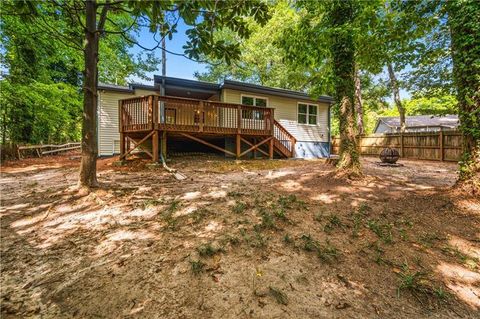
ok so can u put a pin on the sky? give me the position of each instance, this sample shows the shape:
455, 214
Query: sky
177, 66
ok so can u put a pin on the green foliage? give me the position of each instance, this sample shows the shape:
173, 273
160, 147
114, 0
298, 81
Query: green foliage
197, 266
465, 29
39, 113
262, 59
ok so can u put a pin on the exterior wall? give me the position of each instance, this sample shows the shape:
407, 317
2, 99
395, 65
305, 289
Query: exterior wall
312, 140
108, 131
286, 114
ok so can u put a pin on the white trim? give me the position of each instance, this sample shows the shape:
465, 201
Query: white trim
255, 97
307, 114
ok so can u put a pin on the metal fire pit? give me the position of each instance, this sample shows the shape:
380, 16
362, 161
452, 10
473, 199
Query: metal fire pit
389, 155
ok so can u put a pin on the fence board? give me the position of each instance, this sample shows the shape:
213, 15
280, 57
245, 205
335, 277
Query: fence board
439, 146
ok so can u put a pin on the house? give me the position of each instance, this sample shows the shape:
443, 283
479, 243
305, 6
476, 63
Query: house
235, 118
417, 123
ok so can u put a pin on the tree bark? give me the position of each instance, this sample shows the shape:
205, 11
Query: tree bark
396, 95
466, 72
358, 102
343, 52
88, 166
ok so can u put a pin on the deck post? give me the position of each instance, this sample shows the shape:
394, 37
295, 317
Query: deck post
239, 119
155, 149
238, 145
201, 118
122, 143
164, 144
270, 149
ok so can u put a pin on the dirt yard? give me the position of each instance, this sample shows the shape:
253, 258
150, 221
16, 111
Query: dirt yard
250, 239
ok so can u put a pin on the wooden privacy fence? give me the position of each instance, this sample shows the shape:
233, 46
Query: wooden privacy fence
438, 146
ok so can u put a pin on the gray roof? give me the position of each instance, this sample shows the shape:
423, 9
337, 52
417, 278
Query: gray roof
450, 121
128, 89
229, 84
207, 86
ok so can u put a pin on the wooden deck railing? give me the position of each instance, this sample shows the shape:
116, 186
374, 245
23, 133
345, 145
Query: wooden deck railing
284, 141
188, 115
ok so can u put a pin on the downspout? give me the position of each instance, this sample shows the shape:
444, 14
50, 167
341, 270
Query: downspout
329, 130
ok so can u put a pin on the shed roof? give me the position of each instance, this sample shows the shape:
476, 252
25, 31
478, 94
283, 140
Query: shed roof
449, 121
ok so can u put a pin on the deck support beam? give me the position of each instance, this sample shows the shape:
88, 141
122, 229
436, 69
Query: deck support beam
270, 149
122, 144
137, 145
206, 143
155, 149
164, 144
256, 146
238, 145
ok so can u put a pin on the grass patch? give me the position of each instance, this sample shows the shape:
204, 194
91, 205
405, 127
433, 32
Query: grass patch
239, 207
419, 285
207, 250
428, 239
383, 231
332, 223
197, 266
279, 296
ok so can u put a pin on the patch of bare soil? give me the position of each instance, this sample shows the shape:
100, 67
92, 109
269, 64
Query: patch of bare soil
248, 239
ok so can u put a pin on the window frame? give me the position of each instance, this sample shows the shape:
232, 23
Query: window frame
308, 113
254, 97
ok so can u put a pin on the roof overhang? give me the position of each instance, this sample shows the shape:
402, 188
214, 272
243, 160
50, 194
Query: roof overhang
259, 89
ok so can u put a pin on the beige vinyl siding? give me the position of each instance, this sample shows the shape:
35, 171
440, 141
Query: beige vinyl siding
286, 114
108, 131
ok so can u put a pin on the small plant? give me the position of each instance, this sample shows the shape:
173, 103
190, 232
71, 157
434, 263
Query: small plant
328, 252
208, 250
234, 194
150, 203
199, 214
287, 239
429, 238
318, 217
278, 295
287, 201
197, 266
357, 223
363, 209
232, 240
259, 240
309, 244
383, 231
333, 222
239, 207
267, 221
280, 213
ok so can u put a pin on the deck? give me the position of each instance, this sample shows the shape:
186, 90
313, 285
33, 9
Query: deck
148, 120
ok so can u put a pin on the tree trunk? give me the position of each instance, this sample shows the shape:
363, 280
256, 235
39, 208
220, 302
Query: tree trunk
466, 72
88, 167
343, 52
396, 95
358, 103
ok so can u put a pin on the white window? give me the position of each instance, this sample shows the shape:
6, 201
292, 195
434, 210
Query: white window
307, 113
253, 101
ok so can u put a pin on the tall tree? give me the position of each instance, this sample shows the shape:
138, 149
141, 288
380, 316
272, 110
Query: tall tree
465, 33
97, 19
341, 18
